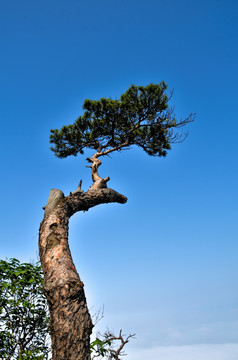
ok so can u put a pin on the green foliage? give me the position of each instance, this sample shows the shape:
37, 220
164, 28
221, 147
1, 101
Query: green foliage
24, 323
100, 347
140, 117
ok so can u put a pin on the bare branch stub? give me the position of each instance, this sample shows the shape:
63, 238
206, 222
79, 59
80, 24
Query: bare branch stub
78, 190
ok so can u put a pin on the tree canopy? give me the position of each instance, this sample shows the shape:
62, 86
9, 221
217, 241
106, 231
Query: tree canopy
140, 117
24, 320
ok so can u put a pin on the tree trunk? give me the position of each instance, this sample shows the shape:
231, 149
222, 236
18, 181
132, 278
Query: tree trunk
70, 321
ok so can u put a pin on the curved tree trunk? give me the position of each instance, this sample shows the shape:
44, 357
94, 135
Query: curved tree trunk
70, 321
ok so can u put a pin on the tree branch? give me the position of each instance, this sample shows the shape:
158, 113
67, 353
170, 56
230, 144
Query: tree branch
83, 202
79, 201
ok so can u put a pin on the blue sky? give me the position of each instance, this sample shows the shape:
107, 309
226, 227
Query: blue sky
165, 264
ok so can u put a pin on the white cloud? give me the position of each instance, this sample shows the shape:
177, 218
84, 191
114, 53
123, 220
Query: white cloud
186, 352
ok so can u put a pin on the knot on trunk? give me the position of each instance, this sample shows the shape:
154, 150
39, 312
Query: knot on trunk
100, 184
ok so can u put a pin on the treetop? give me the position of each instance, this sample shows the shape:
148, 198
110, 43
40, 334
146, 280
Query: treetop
140, 117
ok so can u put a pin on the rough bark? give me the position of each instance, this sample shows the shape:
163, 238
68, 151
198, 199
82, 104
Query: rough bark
71, 324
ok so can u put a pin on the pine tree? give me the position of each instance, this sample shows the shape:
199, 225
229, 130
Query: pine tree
141, 117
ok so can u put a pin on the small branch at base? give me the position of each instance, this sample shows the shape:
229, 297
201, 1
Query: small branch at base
110, 345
